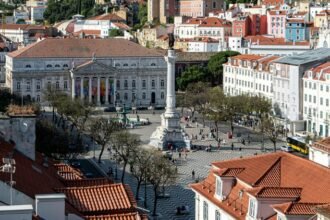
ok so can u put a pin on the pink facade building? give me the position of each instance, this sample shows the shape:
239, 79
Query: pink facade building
276, 21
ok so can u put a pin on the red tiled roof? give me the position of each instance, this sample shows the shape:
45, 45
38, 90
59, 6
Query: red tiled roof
126, 216
103, 199
323, 144
121, 25
276, 175
88, 32
293, 208
78, 48
319, 72
22, 27
109, 16
262, 40
277, 12
87, 182
276, 192
209, 22
67, 172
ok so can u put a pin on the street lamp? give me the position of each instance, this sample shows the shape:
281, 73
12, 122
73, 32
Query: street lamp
9, 167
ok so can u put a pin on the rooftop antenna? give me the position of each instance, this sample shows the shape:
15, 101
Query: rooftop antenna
9, 167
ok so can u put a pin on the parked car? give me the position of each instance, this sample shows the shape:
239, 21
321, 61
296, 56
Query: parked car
286, 148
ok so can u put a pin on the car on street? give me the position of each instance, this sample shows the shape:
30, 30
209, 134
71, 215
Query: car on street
286, 148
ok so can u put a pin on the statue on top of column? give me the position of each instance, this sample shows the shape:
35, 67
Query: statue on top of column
170, 40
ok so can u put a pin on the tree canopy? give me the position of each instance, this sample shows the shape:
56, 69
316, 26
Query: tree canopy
193, 74
215, 65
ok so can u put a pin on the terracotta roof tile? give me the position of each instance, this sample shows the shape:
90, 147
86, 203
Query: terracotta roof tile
293, 208
109, 16
102, 199
323, 144
83, 48
88, 32
87, 182
276, 192
126, 216
262, 40
271, 175
67, 172
22, 27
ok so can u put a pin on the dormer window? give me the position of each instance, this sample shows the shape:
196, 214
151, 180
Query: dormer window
219, 187
57, 66
49, 66
65, 65
252, 208
28, 66
153, 64
125, 64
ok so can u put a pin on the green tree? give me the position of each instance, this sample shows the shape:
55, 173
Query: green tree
270, 128
115, 33
143, 13
125, 144
193, 74
102, 131
215, 65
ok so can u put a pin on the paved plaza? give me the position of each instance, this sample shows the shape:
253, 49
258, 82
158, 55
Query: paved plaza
199, 161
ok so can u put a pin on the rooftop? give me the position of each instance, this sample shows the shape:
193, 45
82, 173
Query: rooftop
108, 16
272, 175
82, 48
323, 145
306, 57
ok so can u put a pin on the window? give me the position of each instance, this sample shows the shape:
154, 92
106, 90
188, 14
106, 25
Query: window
133, 97
144, 95
57, 85
252, 208
18, 86
118, 96
133, 64
205, 211
38, 98
118, 84
125, 64
38, 85
321, 101
65, 85
153, 64
217, 215
28, 66
125, 96
153, 84
49, 66
162, 95
219, 187
305, 97
57, 65
143, 84
125, 84
65, 65
133, 84
28, 86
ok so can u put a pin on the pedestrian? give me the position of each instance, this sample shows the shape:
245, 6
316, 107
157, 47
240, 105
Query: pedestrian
218, 145
193, 174
179, 154
232, 146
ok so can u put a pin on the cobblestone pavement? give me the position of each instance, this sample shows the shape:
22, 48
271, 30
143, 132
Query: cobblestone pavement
199, 161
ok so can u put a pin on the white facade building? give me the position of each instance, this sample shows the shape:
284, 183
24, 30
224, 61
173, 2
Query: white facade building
37, 13
319, 152
316, 99
204, 45
248, 74
204, 27
102, 71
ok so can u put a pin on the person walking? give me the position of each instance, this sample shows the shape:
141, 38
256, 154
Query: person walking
232, 146
193, 174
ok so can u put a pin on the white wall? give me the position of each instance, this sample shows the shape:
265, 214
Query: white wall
17, 212
19, 198
320, 157
51, 206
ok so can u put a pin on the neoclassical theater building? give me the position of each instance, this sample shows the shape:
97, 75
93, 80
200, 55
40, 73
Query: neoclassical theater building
105, 72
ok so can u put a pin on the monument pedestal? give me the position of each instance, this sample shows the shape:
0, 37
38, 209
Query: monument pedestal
170, 131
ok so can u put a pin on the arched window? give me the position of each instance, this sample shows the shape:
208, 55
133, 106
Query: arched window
125, 64
65, 65
133, 83
57, 65
38, 85
49, 66
144, 95
162, 95
28, 66
217, 215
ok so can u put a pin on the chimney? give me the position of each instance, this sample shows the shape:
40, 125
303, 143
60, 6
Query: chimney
16, 212
50, 206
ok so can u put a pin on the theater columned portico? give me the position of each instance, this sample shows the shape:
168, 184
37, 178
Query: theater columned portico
94, 82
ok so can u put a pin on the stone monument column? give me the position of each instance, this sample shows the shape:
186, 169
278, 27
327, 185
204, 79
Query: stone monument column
170, 133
